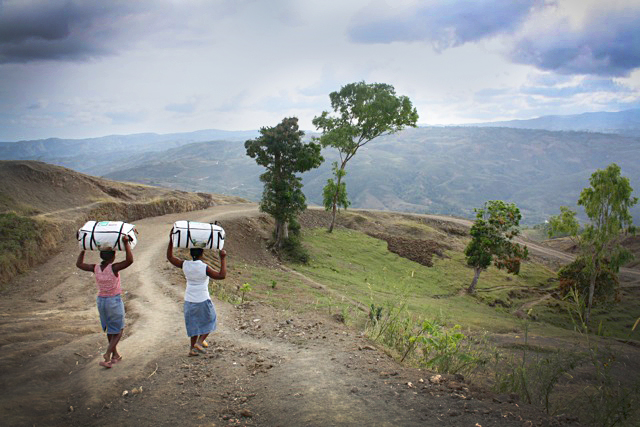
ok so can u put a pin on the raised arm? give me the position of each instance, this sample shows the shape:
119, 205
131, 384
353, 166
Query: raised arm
172, 259
81, 265
219, 275
128, 260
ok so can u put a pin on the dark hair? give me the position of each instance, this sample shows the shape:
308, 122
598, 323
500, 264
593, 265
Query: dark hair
107, 255
196, 253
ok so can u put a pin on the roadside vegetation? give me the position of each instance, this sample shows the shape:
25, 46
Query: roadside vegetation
514, 335
24, 242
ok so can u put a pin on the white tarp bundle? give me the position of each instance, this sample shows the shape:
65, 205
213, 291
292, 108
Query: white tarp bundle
191, 234
105, 235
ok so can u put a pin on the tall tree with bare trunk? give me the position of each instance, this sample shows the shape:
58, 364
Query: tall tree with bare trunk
362, 112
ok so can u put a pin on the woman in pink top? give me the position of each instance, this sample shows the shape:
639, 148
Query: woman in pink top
109, 301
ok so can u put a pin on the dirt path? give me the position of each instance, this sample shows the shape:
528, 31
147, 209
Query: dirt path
67, 210
265, 366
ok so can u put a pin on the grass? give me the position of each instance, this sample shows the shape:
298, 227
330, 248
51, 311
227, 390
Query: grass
289, 293
361, 268
24, 242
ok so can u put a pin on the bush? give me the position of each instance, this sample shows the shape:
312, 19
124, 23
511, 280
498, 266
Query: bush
574, 276
293, 250
426, 343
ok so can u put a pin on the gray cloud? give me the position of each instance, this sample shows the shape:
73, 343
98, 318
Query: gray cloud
607, 45
56, 29
185, 108
445, 24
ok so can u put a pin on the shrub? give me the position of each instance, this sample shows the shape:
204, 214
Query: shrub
426, 343
575, 276
294, 251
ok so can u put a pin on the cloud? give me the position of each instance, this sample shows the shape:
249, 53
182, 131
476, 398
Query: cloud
586, 85
55, 29
444, 24
565, 36
607, 44
184, 108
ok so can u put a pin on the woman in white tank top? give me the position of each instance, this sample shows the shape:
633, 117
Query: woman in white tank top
199, 312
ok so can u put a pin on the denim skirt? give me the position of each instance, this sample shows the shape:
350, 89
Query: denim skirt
111, 311
199, 317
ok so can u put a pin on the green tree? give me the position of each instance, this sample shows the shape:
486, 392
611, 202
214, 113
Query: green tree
363, 112
492, 233
563, 224
281, 151
606, 202
336, 190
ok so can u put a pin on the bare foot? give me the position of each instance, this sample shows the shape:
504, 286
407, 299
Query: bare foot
115, 359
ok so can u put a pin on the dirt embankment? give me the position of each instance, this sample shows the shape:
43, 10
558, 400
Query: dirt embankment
415, 237
42, 205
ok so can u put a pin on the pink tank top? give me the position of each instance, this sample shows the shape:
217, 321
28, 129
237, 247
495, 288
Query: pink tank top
107, 282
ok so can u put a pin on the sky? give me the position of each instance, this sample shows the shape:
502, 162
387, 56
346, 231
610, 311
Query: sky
80, 69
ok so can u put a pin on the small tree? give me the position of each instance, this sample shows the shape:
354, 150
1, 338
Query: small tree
363, 112
564, 224
281, 151
495, 226
606, 202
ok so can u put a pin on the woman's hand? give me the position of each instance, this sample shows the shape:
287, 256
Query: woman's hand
223, 254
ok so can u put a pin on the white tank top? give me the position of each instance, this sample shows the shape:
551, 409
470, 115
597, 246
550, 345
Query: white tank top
197, 281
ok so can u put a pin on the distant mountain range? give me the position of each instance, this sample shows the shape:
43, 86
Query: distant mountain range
623, 122
447, 170
91, 154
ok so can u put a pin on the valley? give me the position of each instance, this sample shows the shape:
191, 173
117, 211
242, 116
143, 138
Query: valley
436, 170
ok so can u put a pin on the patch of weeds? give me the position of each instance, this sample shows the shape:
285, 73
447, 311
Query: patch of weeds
24, 242
222, 294
533, 376
606, 401
293, 250
426, 343
244, 289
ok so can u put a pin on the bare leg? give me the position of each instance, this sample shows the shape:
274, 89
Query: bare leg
198, 343
107, 355
113, 342
201, 339
193, 351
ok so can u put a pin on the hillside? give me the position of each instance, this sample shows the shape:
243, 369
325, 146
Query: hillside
434, 170
42, 205
625, 122
441, 170
300, 350
90, 154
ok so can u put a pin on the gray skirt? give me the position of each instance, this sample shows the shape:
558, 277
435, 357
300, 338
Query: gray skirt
199, 317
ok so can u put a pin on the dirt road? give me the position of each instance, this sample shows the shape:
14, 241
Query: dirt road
264, 366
